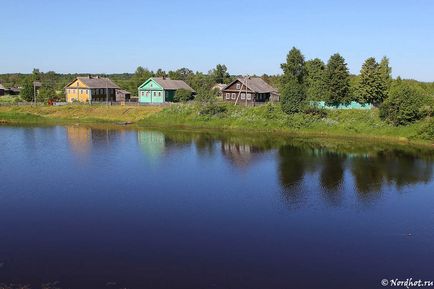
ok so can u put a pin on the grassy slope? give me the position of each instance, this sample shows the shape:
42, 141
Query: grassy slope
267, 118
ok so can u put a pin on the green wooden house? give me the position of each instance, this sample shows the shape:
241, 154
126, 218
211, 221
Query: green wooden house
160, 89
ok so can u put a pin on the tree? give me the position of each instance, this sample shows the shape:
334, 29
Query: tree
182, 95
337, 81
220, 73
293, 97
27, 92
293, 93
385, 72
46, 92
294, 66
370, 88
160, 73
314, 79
404, 104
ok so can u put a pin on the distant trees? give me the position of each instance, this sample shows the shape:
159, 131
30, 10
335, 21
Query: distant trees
315, 79
293, 92
337, 81
220, 74
46, 92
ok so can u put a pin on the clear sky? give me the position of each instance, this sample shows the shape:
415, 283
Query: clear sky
250, 37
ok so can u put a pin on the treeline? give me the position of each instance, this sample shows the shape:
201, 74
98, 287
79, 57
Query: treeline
304, 82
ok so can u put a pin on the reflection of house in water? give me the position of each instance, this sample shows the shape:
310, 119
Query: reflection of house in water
79, 139
240, 155
152, 143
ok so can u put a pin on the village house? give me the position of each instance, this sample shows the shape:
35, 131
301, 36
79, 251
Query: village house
91, 89
219, 88
2, 90
250, 91
160, 89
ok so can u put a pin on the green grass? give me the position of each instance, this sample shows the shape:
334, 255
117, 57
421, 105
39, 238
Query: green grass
267, 118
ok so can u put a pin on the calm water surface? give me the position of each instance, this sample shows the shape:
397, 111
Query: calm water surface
110, 208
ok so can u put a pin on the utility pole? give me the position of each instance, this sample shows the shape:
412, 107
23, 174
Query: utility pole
34, 92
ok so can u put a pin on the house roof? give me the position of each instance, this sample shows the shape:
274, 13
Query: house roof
2, 87
123, 91
96, 82
219, 86
37, 83
169, 84
255, 84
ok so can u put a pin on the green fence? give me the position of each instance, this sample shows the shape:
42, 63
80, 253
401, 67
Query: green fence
351, 105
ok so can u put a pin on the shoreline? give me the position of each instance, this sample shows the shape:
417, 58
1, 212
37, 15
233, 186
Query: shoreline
136, 117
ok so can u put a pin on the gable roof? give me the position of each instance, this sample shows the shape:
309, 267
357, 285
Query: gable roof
96, 82
2, 87
255, 84
169, 84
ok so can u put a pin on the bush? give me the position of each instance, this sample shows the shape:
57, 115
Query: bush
427, 130
182, 95
212, 109
403, 106
315, 111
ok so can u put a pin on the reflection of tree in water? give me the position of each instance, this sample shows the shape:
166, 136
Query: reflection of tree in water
371, 169
392, 166
294, 162
332, 175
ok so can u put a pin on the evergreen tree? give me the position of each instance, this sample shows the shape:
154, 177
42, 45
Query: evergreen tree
370, 88
315, 74
293, 93
337, 80
385, 72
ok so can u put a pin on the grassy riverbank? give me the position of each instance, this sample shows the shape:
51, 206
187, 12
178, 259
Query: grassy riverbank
268, 118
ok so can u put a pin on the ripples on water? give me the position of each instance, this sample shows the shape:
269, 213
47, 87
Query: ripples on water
116, 208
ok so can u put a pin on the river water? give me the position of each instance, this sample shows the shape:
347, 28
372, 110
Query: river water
100, 207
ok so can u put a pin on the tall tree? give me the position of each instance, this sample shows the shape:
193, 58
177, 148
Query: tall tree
385, 72
370, 88
337, 80
220, 73
293, 93
27, 92
315, 74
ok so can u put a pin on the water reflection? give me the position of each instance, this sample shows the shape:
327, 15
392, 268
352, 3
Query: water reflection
301, 165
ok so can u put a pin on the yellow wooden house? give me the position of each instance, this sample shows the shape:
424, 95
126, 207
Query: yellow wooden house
91, 89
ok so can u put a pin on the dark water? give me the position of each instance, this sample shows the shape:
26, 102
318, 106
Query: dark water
108, 208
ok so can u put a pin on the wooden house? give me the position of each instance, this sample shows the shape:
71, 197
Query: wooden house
122, 95
2, 90
91, 89
160, 89
249, 91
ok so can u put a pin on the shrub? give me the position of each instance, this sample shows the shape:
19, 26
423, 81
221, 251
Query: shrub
427, 130
315, 111
403, 106
212, 109
182, 95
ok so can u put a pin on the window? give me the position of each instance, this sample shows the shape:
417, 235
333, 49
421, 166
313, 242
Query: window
159, 93
233, 95
143, 93
243, 96
238, 86
155, 94
249, 96
147, 93
228, 95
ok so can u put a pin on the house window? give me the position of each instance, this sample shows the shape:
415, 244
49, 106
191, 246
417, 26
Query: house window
159, 93
233, 95
228, 95
147, 93
142, 93
243, 96
238, 86
155, 94
249, 96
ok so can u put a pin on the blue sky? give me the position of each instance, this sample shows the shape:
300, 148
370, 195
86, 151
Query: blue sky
250, 37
